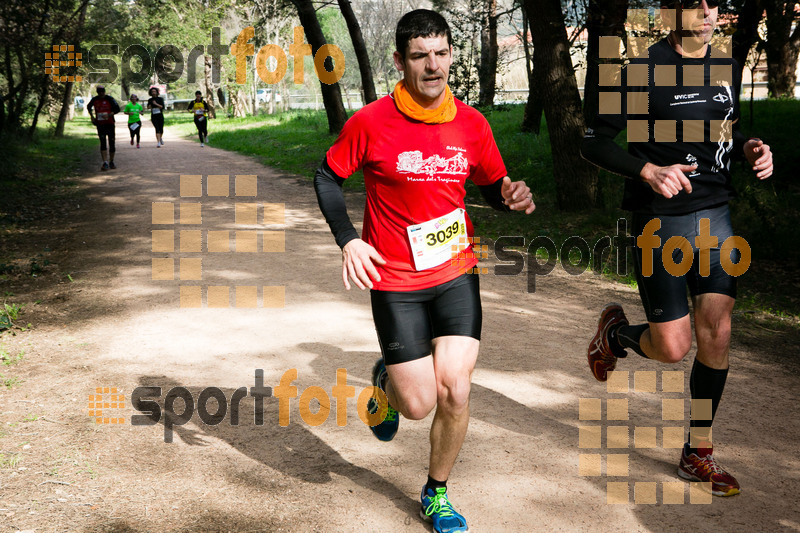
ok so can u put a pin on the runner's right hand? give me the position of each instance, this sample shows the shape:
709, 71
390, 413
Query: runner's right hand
668, 181
357, 263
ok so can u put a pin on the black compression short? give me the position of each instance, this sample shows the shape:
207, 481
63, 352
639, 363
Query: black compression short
664, 295
158, 122
407, 321
106, 131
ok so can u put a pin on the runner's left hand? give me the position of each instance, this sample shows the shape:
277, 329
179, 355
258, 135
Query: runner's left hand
517, 195
759, 155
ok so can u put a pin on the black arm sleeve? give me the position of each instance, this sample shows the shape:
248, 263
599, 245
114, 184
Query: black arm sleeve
739, 140
492, 195
328, 187
598, 147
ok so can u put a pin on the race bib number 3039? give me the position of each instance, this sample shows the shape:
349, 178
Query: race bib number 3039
436, 241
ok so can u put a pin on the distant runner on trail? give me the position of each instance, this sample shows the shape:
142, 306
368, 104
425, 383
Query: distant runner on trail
102, 109
156, 106
679, 186
199, 108
134, 111
417, 148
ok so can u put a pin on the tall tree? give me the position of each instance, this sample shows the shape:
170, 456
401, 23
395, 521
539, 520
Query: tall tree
367, 84
66, 102
783, 46
487, 71
331, 93
746, 34
575, 178
532, 117
603, 18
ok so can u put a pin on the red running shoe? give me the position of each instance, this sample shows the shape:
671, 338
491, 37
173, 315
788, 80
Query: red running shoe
603, 353
701, 466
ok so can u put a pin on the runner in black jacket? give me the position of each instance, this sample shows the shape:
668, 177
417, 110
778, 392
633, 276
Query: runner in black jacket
680, 106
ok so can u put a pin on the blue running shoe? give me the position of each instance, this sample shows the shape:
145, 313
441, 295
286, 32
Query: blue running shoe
387, 429
437, 508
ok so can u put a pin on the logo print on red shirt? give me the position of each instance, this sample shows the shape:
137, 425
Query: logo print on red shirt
412, 162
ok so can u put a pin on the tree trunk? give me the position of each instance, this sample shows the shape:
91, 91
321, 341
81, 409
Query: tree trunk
208, 87
532, 118
525, 44
604, 18
746, 34
487, 74
254, 89
126, 91
10, 96
22, 94
575, 178
67, 104
367, 83
238, 102
331, 94
43, 94
782, 47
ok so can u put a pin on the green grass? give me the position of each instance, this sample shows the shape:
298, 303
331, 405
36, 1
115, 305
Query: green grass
9, 382
294, 141
8, 359
10, 460
8, 314
34, 178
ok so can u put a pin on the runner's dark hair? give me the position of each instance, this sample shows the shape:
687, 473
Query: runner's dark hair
420, 23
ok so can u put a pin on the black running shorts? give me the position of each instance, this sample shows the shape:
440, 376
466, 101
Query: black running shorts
407, 321
106, 131
664, 294
158, 122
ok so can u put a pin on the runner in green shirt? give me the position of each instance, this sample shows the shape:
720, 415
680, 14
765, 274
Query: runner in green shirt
134, 111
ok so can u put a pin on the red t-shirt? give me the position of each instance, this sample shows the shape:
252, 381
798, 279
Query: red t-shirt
414, 172
103, 108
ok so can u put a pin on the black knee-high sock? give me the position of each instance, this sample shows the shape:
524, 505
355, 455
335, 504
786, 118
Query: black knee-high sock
705, 383
629, 337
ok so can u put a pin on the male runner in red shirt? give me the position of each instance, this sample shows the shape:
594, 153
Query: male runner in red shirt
417, 147
102, 109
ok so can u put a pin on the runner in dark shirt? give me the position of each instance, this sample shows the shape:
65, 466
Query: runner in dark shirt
199, 108
680, 106
102, 109
156, 106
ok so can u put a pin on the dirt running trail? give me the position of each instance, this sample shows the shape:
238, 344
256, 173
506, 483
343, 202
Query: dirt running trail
115, 326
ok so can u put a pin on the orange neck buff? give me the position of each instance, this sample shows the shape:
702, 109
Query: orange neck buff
409, 107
